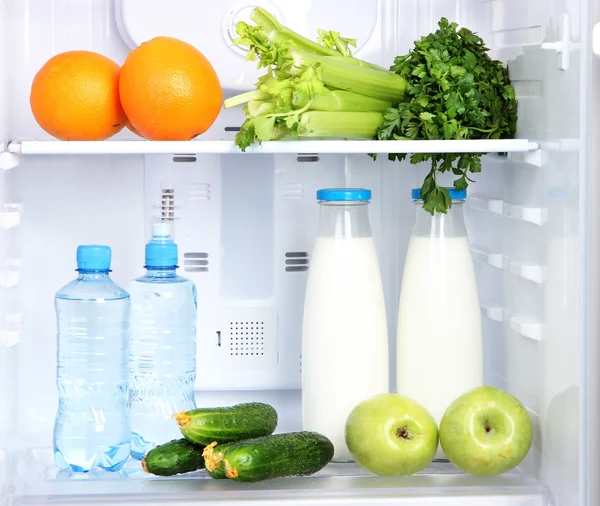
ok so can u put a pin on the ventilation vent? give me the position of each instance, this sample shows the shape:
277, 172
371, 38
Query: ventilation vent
200, 191
195, 262
293, 191
232, 129
296, 261
247, 339
184, 159
308, 158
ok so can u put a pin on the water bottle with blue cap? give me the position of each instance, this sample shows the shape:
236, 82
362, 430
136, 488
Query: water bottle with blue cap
440, 345
92, 423
344, 337
162, 364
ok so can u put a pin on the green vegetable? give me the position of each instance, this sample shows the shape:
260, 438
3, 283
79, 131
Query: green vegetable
305, 76
334, 40
176, 457
256, 108
243, 421
293, 454
269, 39
340, 101
447, 87
455, 91
343, 76
353, 125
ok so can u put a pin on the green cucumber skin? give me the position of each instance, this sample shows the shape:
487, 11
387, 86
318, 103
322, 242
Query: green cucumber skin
228, 424
176, 457
292, 454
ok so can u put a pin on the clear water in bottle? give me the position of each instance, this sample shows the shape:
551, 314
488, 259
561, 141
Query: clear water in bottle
162, 364
92, 423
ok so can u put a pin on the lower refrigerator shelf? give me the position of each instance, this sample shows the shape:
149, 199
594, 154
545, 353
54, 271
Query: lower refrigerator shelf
35, 480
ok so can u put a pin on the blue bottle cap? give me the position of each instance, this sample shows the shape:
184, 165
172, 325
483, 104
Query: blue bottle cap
93, 258
161, 255
161, 251
454, 193
344, 194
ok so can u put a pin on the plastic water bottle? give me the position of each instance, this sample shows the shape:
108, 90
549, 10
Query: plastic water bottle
162, 363
92, 424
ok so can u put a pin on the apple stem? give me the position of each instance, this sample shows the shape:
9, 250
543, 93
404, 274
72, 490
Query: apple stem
402, 432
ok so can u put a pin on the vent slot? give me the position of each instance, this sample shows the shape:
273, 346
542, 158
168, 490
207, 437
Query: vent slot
296, 261
247, 339
195, 262
200, 191
303, 268
293, 191
184, 159
195, 269
232, 129
309, 158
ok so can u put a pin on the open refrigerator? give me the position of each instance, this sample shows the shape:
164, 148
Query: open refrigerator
245, 224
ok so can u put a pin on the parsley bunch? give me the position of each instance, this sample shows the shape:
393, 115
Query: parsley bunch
454, 91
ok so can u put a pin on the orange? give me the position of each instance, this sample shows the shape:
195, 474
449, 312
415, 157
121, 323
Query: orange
75, 97
131, 128
169, 90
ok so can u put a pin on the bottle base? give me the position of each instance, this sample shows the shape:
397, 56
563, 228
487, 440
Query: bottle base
140, 446
112, 460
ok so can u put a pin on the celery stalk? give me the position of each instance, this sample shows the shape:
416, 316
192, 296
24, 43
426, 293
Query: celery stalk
246, 97
257, 108
346, 125
371, 83
360, 63
339, 101
279, 34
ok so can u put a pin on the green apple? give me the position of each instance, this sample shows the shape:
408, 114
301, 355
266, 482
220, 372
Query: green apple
486, 432
391, 435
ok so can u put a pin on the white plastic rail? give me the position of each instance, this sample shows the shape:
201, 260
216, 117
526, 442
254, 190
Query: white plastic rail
304, 146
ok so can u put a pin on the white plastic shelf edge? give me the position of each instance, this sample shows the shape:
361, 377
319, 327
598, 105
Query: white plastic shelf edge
304, 146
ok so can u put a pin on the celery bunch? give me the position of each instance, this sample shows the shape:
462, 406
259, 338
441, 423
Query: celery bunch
310, 89
446, 87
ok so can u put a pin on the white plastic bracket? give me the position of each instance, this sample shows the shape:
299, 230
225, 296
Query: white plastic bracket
565, 46
494, 312
535, 215
535, 273
10, 215
9, 160
537, 158
527, 327
11, 334
11, 275
596, 39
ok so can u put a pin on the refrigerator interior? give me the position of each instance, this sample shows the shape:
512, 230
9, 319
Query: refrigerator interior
245, 225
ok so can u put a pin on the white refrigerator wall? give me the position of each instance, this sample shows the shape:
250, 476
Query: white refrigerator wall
245, 224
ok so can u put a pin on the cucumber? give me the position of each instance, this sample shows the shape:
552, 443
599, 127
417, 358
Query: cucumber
243, 421
176, 457
293, 454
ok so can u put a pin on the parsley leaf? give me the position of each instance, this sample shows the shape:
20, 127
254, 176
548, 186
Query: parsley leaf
455, 91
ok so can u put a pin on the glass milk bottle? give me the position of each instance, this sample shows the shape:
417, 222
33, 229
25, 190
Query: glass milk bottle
439, 352
344, 341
